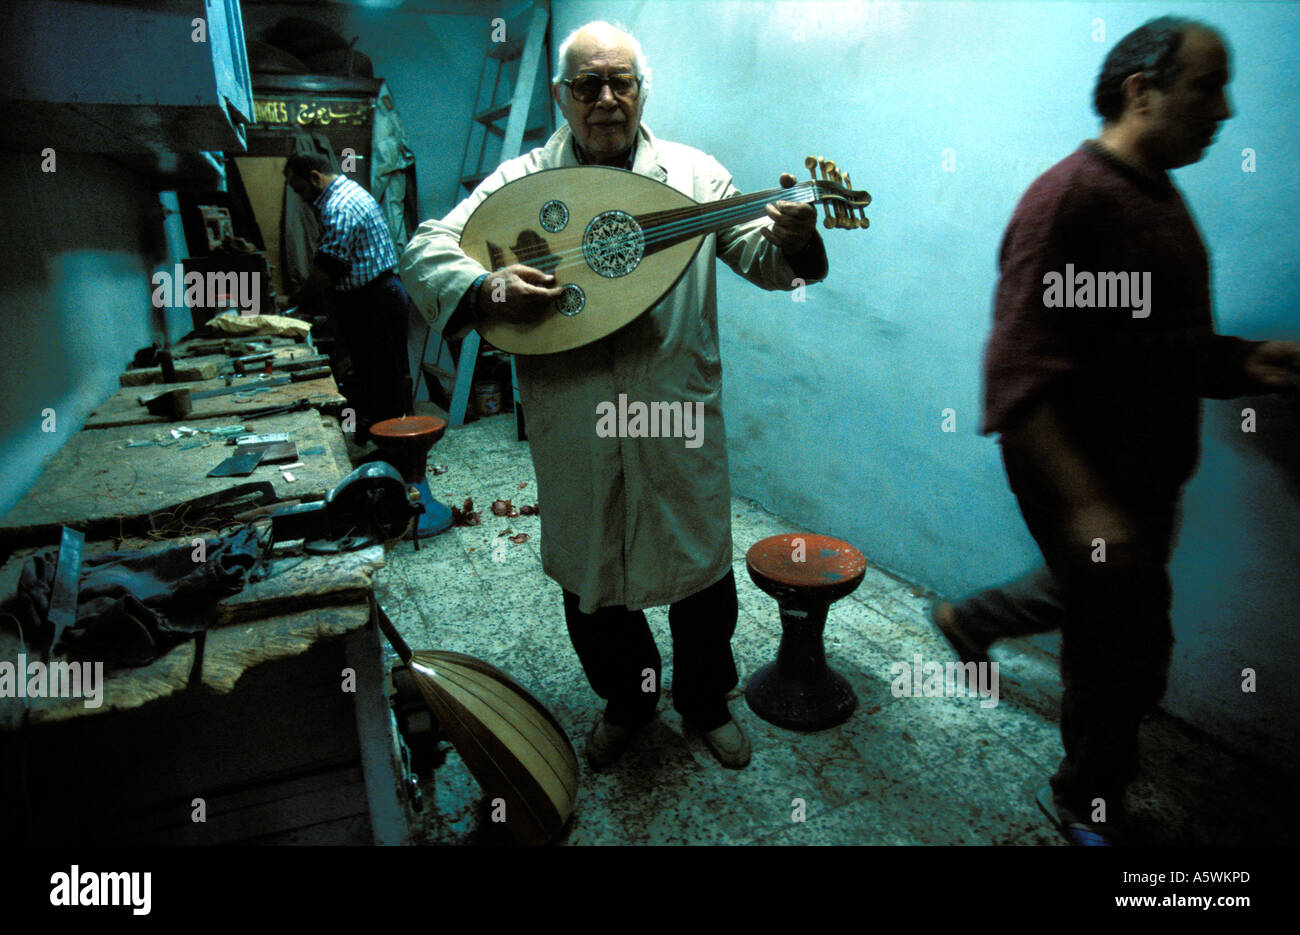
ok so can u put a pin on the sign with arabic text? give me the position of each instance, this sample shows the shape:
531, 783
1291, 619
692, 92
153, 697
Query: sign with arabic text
298, 112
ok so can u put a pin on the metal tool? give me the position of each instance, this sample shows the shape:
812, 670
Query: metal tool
306, 362
176, 403
252, 414
240, 465
274, 452
264, 439
369, 506
67, 580
211, 510
252, 361
242, 388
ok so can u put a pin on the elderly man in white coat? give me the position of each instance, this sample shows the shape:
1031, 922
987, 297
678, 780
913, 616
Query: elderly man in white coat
628, 522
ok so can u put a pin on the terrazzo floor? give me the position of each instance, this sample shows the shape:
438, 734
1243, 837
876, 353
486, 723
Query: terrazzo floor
899, 771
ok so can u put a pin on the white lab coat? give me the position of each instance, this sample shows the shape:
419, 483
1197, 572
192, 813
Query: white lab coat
639, 522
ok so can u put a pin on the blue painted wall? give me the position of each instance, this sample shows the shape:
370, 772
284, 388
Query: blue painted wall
834, 405
79, 244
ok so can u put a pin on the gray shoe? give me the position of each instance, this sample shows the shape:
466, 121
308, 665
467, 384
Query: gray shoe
606, 742
729, 744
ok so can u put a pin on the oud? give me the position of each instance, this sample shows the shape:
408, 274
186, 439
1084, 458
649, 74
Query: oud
617, 242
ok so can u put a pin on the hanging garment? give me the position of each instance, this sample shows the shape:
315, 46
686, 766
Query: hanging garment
392, 170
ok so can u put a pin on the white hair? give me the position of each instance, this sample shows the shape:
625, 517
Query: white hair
639, 64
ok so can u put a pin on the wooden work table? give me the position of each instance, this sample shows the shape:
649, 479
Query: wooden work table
131, 470
276, 718
250, 393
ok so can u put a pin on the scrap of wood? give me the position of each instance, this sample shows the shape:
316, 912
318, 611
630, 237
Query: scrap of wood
185, 372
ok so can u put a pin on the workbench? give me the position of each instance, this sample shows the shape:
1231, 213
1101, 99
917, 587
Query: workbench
124, 408
274, 723
105, 473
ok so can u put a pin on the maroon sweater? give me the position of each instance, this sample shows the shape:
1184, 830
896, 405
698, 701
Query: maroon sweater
1129, 386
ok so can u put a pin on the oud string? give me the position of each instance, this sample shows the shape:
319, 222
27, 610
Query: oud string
570, 250
672, 225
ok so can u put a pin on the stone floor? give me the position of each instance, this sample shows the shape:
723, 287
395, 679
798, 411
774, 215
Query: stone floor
901, 770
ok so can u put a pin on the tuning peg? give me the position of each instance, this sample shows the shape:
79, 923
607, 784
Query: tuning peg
848, 208
855, 220
832, 209
843, 219
813, 163
787, 180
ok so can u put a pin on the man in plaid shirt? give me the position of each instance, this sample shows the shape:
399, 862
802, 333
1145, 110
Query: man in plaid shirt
354, 264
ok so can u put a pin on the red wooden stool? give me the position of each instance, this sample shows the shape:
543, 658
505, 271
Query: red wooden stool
806, 573
406, 443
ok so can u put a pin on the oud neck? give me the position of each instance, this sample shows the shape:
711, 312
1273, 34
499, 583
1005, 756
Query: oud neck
666, 228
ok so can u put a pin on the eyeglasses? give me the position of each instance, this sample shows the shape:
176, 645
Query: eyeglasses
586, 88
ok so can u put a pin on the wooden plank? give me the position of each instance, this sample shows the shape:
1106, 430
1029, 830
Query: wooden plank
202, 358
320, 580
96, 476
380, 763
270, 808
199, 368
124, 406
351, 831
199, 344
335, 445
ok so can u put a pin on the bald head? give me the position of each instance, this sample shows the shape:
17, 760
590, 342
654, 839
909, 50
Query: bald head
600, 35
603, 114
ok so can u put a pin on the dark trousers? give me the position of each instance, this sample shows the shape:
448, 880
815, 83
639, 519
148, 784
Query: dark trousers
372, 323
1116, 637
616, 648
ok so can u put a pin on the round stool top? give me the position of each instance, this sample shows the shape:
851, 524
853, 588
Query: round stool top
806, 561
410, 428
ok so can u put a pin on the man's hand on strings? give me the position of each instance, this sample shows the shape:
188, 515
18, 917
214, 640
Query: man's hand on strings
517, 294
793, 223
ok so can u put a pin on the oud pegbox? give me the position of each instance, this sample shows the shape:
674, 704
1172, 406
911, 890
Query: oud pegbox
839, 211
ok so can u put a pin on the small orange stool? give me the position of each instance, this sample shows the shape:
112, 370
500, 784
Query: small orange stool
806, 573
406, 443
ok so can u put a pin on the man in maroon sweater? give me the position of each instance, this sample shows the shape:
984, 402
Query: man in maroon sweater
1103, 344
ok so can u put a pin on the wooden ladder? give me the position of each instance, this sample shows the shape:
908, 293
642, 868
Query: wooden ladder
526, 42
